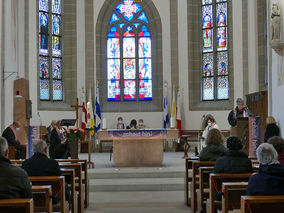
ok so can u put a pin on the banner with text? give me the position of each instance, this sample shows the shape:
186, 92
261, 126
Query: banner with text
143, 134
254, 135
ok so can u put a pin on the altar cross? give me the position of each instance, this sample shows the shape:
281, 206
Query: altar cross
77, 107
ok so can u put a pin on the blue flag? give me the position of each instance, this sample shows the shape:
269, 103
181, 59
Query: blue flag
98, 117
165, 112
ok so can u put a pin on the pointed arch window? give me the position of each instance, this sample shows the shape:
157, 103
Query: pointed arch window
214, 27
129, 54
50, 50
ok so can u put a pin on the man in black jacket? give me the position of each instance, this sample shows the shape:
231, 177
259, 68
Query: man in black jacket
40, 165
10, 133
240, 111
14, 182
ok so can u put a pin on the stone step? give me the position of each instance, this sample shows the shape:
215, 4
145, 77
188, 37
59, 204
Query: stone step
122, 175
136, 184
138, 202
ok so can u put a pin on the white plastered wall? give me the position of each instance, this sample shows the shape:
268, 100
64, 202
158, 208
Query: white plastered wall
276, 71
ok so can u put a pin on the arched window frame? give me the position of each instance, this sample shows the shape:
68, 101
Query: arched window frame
215, 73
129, 23
50, 57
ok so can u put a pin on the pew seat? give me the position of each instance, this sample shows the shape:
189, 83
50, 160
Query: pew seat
262, 204
24, 205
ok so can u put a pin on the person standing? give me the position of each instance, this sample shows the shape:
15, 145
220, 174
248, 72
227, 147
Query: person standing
58, 146
211, 124
49, 129
10, 133
241, 111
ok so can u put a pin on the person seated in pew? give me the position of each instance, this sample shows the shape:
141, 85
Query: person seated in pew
11, 135
40, 165
14, 182
233, 160
270, 177
271, 129
278, 144
214, 146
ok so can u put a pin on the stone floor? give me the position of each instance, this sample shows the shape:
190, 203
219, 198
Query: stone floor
139, 190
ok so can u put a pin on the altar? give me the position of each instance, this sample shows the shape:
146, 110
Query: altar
138, 147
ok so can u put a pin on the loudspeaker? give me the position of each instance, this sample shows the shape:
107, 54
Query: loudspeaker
29, 109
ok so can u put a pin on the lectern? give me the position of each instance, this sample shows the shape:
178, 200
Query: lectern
248, 131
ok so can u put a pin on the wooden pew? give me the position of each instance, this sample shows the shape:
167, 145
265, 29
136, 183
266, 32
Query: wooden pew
74, 195
85, 181
262, 204
232, 192
187, 179
42, 198
215, 185
78, 174
194, 182
203, 191
58, 187
23, 205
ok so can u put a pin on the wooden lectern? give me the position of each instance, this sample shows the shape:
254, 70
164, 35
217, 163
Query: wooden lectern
248, 131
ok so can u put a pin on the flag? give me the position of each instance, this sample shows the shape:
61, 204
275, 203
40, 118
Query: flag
91, 120
178, 113
174, 105
84, 112
98, 116
165, 112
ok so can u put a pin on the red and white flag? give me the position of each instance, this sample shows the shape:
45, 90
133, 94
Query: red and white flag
84, 111
178, 113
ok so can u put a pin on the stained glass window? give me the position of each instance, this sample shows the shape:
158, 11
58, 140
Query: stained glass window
129, 71
214, 27
50, 50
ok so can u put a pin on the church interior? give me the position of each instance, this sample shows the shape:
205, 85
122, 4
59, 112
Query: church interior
171, 64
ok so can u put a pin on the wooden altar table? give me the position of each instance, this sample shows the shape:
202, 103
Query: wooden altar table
138, 147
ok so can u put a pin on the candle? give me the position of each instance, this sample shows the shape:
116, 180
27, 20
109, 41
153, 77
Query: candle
172, 123
104, 124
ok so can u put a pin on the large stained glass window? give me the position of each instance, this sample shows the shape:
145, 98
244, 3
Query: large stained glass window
129, 54
50, 50
214, 27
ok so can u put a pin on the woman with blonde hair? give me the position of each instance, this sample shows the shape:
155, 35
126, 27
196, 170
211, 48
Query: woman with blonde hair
214, 146
271, 129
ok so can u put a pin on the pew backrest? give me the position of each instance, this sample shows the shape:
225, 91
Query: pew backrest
216, 181
232, 192
42, 198
24, 205
58, 187
262, 204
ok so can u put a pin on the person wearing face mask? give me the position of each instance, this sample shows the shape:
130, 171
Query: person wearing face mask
120, 124
211, 124
141, 124
10, 133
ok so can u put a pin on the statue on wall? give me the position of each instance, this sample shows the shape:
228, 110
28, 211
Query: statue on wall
275, 22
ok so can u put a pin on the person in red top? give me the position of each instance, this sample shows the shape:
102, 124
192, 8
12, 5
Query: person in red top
278, 144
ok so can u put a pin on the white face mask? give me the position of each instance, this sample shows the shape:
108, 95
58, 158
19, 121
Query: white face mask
140, 124
17, 129
120, 121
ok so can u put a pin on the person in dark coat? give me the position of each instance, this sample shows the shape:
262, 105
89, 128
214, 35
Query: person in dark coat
233, 161
271, 129
214, 146
40, 165
132, 125
278, 144
270, 177
58, 145
10, 133
14, 181
239, 112
49, 130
